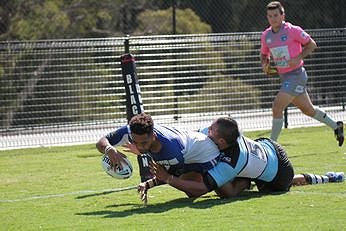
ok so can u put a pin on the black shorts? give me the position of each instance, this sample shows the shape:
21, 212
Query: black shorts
283, 179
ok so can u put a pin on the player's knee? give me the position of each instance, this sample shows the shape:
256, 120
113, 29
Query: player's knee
277, 111
299, 180
277, 114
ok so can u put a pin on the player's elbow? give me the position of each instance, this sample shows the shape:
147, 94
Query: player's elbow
98, 144
312, 44
101, 144
198, 190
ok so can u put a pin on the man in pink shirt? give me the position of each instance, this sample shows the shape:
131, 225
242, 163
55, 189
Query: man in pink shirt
287, 45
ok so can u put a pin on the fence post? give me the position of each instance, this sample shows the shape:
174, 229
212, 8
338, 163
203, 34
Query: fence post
174, 25
286, 117
127, 44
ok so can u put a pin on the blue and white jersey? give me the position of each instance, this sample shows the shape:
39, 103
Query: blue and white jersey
256, 160
181, 150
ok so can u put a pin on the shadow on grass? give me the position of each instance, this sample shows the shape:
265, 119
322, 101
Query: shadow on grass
109, 191
202, 203
94, 194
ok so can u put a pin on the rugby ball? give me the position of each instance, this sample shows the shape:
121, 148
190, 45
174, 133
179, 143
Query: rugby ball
116, 172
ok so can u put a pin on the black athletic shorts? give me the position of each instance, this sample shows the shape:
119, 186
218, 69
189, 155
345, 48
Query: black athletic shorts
283, 179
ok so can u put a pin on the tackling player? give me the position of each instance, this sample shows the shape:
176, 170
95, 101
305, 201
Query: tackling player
263, 161
282, 42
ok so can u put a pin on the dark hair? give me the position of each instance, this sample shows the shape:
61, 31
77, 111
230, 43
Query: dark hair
227, 128
276, 5
141, 124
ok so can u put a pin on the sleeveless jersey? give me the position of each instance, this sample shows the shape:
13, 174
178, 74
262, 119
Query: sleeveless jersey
284, 45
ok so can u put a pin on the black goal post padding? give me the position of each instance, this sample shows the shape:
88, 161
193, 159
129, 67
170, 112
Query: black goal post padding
134, 105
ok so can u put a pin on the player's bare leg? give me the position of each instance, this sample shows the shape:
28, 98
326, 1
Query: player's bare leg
281, 101
304, 103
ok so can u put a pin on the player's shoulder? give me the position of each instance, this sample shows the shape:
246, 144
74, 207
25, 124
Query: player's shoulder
298, 33
120, 131
125, 129
266, 31
292, 28
119, 135
203, 130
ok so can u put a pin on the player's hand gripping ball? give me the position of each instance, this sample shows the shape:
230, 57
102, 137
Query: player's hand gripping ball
270, 70
117, 172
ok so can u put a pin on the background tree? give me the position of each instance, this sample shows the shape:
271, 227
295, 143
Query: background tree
52, 19
160, 22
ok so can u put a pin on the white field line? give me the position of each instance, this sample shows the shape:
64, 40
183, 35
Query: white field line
340, 194
70, 193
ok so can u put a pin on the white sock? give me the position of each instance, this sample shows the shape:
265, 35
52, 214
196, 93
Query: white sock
316, 179
276, 128
324, 118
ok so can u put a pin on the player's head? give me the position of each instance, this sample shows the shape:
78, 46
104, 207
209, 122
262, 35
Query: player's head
141, 127
276, 5
275, 13
224, 132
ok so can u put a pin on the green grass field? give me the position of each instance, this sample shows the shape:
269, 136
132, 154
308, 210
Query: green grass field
65, 188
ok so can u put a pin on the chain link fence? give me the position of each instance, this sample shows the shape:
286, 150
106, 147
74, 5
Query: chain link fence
71, 91
196, 60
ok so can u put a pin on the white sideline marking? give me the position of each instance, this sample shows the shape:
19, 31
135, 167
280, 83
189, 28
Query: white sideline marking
66, 194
